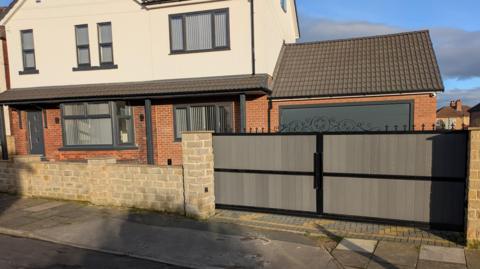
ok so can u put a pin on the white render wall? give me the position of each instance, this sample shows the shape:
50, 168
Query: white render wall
141, 42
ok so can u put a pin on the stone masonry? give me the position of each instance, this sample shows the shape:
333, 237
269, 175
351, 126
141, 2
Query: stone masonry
104, 182
198, 174
473, 212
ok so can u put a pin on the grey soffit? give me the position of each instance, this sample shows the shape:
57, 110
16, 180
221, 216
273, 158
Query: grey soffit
206, 85
396, 63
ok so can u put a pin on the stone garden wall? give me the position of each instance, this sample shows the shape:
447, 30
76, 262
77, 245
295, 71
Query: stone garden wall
107, 183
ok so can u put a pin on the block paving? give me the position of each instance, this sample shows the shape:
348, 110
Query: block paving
338, 229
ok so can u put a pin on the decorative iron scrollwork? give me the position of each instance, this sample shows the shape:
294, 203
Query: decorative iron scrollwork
324, 124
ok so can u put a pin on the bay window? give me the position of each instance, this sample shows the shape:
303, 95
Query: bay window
209, 117
100, 124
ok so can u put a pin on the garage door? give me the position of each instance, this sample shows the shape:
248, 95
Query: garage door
347, 117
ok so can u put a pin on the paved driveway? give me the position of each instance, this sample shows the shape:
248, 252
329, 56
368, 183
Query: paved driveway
216, 243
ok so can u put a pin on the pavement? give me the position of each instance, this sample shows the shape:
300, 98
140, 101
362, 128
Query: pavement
17, 252
217, 243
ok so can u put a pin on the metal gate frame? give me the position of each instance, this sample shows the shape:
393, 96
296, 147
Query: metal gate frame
318, 178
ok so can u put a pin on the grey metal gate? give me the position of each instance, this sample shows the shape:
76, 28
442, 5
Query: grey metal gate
413, 177
266, 171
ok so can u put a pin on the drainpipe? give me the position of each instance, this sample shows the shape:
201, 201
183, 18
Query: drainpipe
243, 114
148, 129
3, 134
269, 115
252, 25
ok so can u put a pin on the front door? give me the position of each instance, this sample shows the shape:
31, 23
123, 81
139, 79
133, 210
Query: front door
35, 132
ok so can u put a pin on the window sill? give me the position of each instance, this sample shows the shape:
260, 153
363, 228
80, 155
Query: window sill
29, 72
93, 68
97, 148
198, 51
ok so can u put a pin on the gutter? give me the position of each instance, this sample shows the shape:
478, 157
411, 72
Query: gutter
136, 97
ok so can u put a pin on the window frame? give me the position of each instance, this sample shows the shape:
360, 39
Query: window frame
188, 112
211, 12
116, 144
28, 70
78, 47
102, 44
284, 5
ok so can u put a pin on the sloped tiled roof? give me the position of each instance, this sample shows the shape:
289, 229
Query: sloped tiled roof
475, 108
396, 63
450, 112
212, 85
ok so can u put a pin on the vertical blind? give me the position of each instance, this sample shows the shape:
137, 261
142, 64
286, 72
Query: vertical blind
83, 47
176, 33
203, 118
94, 124
105, 43
28, 50
199, 31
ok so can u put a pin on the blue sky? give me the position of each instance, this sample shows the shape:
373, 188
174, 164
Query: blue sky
454, 26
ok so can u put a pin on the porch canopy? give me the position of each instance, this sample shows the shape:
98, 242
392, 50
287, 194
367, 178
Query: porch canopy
209, 86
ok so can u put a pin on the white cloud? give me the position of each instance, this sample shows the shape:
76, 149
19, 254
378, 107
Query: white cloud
457, 50
469, 97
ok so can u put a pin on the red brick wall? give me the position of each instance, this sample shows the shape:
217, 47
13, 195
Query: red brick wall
165, 146
257, 113
164, 135
54, 142
425, 107
20, 134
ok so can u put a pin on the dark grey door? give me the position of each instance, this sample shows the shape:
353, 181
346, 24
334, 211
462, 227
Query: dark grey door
378, 116
35, 132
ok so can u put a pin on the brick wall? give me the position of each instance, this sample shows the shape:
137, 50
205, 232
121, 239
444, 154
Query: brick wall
425, 107
102, 181
165, 146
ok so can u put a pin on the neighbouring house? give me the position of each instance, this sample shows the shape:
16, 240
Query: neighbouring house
454, 116
475, 116
125, 78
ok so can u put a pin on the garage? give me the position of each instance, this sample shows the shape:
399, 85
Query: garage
347, 117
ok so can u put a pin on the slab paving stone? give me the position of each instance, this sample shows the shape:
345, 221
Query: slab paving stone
473, 258
442, 254
351, 258
424, 264
357, 245
396, 253
43, 207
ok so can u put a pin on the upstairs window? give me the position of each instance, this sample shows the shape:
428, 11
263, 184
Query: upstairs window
83, 45
283, 3
214, 117
199, 31
105, 43
28, 52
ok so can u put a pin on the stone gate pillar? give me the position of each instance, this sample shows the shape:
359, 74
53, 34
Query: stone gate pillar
473, 188
198, 174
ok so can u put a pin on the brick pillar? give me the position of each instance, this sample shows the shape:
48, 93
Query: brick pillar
473, 189
198, 174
